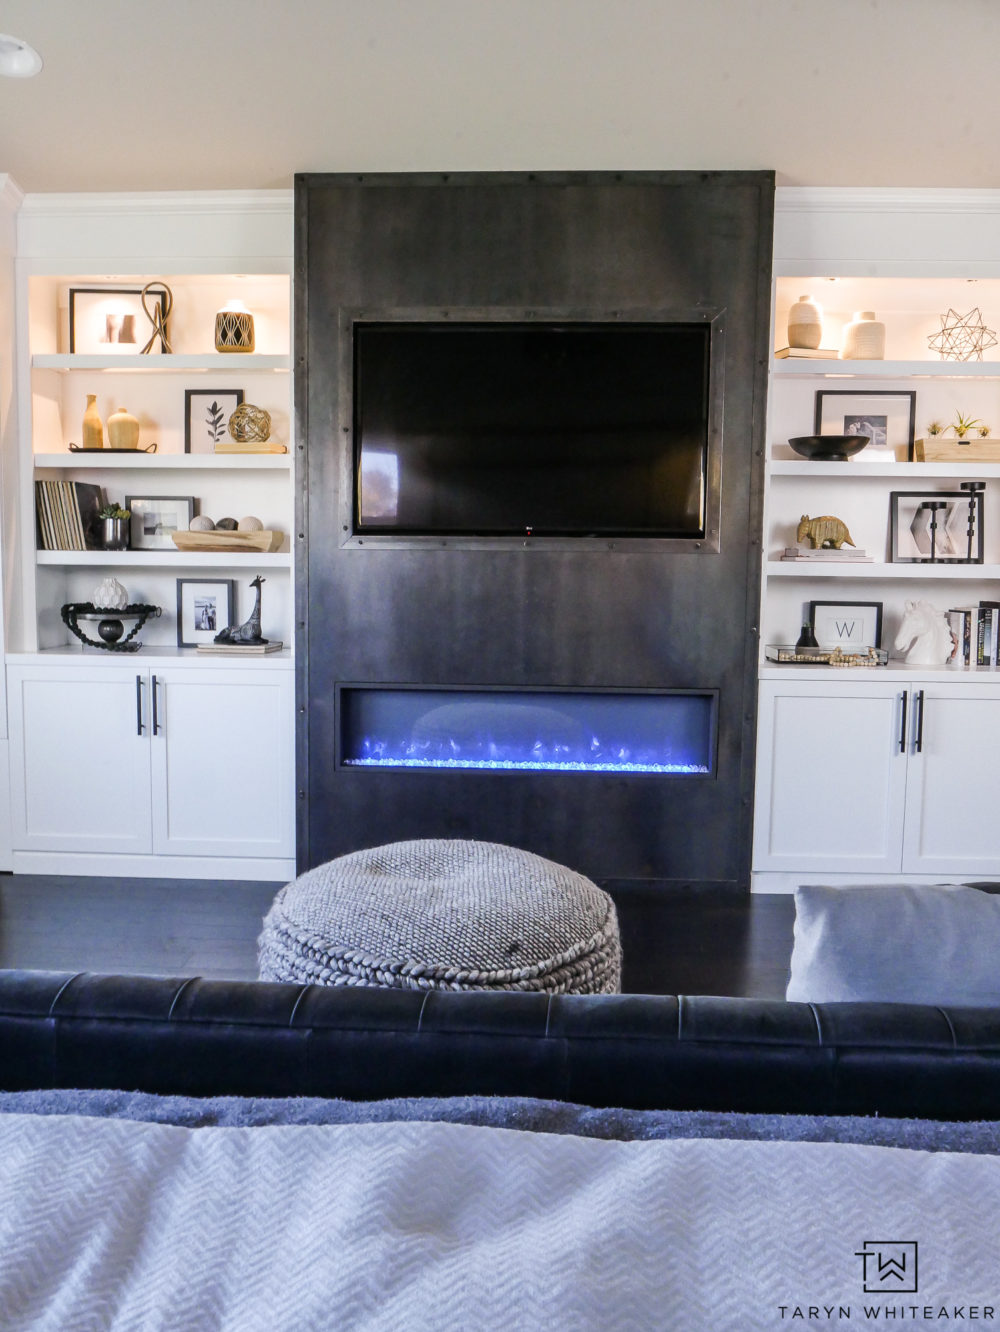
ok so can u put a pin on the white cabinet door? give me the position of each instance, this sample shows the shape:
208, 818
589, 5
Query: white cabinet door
223, 771
79, 759
831, 778
953, 781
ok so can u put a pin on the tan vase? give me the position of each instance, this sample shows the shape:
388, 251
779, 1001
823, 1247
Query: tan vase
123, 430
93, 426
805, 323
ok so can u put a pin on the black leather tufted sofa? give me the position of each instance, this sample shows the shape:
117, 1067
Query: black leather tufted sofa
210, 1038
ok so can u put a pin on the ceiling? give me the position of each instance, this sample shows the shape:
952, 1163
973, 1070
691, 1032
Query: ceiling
225, 94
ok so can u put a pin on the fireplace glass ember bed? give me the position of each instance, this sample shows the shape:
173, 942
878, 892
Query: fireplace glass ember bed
663, 733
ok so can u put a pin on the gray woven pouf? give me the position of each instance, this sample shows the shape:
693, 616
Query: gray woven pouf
444, 915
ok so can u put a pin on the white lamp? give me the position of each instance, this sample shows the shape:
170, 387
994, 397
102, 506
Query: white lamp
18, 60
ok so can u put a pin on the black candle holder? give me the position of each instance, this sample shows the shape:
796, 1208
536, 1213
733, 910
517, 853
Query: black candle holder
972, 489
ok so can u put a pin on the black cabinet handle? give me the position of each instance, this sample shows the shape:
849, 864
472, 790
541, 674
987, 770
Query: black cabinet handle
918, 743
156, 718
902, 724
138, 705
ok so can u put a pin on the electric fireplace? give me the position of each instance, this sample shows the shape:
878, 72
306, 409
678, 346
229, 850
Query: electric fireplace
669, 733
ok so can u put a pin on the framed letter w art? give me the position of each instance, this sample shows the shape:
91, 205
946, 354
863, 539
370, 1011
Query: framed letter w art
846, 624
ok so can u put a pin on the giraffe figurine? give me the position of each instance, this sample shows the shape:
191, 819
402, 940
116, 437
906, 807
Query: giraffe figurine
249, 631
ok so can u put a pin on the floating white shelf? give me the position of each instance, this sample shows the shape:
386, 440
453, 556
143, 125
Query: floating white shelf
181, 461
919, 572
902, 471
167, 560
209, 361
793, 368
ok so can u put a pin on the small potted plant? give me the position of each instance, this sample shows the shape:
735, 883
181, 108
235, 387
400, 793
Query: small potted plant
963, 424
935, 428
114, 527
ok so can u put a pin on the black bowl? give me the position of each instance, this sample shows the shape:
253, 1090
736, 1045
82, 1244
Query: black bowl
828, 448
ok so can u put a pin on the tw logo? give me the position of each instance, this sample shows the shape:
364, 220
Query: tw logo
890, 1266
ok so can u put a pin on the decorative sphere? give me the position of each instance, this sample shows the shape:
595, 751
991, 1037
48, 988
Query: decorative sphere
110, 630
201, 524
227, 525
249, 423
251, 524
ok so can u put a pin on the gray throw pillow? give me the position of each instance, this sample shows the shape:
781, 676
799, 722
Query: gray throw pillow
896, 943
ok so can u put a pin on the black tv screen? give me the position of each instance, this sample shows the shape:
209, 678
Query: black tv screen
548, 429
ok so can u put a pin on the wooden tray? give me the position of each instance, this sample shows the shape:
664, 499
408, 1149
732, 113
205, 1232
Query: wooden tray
937, 449
224, 541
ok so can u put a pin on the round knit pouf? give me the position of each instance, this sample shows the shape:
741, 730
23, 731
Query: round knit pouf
444, 915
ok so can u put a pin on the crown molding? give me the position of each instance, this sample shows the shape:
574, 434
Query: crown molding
135, 203
11, 195
847, 199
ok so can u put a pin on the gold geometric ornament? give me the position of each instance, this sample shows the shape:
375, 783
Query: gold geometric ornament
962, 337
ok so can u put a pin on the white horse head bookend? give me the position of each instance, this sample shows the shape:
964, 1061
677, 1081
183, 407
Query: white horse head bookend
924, 637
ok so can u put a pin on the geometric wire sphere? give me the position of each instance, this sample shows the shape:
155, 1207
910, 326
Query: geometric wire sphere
962, 337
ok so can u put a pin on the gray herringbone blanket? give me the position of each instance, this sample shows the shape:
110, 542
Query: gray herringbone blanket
123, 1225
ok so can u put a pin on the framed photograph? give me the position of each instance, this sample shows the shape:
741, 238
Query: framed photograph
206, 417
110, 320
886, 417
204, 607
846, 624
156, 517
936, 527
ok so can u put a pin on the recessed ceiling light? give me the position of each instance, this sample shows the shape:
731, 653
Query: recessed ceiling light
18, 60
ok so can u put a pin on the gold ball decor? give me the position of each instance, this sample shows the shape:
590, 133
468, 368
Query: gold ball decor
250, 424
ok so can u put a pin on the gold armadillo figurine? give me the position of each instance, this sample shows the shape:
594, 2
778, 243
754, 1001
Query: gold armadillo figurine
825, 532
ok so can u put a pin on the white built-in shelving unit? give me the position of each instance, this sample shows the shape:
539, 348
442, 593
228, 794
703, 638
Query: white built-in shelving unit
877, 773
163, 761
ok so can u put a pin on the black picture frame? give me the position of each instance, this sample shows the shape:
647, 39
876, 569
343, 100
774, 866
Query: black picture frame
911, 538
225, 401
204, 607
821, 612
834, 410
87, 318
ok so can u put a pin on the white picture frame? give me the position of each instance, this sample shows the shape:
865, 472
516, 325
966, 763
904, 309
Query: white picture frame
154, 519
206, 417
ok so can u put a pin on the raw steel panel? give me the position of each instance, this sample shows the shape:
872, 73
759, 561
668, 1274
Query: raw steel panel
533, 617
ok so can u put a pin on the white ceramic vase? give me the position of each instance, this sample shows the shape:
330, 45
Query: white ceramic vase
863, 338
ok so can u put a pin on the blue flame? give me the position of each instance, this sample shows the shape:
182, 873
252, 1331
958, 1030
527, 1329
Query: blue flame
525, 765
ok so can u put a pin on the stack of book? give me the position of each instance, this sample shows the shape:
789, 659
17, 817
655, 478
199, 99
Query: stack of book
808, 353
977, 634
847, 554
67, 515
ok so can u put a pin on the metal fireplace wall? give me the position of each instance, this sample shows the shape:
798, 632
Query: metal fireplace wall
531, 616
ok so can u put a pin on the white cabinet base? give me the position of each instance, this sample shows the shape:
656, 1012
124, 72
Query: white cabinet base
167, 769
153, 867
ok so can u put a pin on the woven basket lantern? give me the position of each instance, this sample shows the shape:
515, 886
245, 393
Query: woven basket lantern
234, 328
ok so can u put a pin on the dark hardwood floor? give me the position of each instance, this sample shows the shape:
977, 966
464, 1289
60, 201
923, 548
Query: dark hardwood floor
691, 941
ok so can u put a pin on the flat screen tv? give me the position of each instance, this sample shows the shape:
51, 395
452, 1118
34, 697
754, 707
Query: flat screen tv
555, 429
